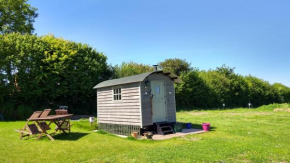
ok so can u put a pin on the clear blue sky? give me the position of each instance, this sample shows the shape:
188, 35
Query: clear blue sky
253, 36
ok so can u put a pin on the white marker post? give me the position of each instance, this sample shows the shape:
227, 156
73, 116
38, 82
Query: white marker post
92, 119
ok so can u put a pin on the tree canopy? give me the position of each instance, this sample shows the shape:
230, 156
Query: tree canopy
48, 71
213, 88
131, 68
176, 65
39, 72
16, 16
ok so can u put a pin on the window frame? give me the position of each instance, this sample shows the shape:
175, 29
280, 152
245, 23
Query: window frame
118, 94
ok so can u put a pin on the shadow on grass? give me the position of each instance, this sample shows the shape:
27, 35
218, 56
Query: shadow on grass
197, 126
73, 136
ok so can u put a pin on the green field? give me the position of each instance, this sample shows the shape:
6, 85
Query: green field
238, 135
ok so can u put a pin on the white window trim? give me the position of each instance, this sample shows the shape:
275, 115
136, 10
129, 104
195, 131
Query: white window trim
117, 87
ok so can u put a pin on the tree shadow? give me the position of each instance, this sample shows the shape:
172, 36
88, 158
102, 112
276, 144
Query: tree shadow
73, 136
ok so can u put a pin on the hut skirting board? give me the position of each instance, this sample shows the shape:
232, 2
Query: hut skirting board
119, 129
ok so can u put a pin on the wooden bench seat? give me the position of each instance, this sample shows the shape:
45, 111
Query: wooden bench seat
28, 130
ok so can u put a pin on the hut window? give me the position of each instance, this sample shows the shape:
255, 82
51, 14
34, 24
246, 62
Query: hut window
157, 89
117, 94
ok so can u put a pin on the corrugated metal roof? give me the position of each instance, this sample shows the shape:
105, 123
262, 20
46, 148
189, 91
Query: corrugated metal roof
134, 79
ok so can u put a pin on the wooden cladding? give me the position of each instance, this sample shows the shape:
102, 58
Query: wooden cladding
130, 105
119, 105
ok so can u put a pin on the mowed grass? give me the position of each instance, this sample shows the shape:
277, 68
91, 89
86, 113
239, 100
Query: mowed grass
238, 135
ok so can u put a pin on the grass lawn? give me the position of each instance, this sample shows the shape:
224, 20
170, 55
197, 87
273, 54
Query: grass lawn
239, 135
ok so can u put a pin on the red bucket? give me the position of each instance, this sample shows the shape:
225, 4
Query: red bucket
60, 112
206, 126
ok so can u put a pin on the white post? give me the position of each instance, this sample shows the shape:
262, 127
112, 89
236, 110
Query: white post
92, 119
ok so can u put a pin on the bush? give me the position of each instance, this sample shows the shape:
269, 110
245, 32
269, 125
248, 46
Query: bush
7, 110
85, 124
274, 106
49, 71
23, 112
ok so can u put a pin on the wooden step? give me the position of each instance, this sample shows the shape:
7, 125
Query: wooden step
164, 128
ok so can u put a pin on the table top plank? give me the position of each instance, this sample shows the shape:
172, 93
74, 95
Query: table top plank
51, 117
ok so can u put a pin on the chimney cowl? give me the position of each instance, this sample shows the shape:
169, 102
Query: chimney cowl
155, 67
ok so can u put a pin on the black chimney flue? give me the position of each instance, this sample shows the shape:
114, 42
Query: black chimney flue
155, 67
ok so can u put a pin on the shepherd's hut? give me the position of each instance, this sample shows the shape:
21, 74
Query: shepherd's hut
137, 103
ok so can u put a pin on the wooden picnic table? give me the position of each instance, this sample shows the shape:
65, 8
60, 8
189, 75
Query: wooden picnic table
59, 120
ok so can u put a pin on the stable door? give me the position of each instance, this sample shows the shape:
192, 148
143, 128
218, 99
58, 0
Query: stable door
158, 101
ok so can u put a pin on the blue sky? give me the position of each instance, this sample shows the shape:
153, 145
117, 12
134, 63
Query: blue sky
253, 36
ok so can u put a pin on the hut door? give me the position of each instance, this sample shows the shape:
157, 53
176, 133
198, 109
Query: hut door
158, 101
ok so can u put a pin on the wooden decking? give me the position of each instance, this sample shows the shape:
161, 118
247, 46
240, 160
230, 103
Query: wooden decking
164, 137
178, 134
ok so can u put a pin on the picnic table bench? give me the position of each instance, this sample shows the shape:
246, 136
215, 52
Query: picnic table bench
62, 123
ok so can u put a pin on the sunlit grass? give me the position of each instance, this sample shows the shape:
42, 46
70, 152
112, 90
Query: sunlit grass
238, 135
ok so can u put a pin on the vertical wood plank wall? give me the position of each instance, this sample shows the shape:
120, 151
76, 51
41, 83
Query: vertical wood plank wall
170, 100
146, 106
125, 112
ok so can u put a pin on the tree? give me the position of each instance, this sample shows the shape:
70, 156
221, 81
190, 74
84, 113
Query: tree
48, 71
131, 68
175, 65
227, 71
260, 91
282, 92
238, 87
193, 91
16, 16
219, 84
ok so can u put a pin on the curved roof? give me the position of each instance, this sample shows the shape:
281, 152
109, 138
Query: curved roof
134, 79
